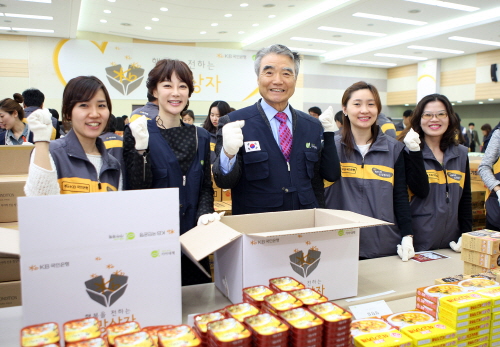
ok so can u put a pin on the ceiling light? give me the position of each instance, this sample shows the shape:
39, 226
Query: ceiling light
272, 16
241, 32
203, 32
107, 11
388, 19
16, 15
214, 24
491, 99
34, 30
112, 0
409, 57
321, 41
434, 49
103, 21
164, 9
481, 42
459, 101
407, 104
43, 1
480, 102
244, 5
349, 31
370, 62
452, 104
155, 19
285, 24
306, 50
255, 25
147, 28
228, 15
446, 5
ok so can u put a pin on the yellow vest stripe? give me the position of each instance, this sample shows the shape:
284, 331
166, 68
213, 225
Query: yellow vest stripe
75, 185
370, 172
113, 144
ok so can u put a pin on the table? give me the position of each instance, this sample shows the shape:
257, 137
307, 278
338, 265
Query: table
375, 276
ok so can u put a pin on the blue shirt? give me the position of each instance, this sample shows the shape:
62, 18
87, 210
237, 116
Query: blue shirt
226, 164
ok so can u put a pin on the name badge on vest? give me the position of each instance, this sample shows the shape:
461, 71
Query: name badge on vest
251, 146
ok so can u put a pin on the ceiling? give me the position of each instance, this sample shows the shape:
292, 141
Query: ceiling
252, 27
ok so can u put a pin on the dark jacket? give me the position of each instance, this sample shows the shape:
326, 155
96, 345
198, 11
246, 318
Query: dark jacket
262, 180
76, 174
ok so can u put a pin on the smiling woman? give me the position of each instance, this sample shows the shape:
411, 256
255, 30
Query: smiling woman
78, 162
165, 152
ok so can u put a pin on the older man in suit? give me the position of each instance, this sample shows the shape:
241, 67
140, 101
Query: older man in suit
473, 138
270, 154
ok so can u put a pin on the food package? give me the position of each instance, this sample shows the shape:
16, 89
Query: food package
137, 339
180, 335
482, 259
285, 284
403, 319
280, 302
426, 334
121, 329
81, 330
255, 295
228, 332
462, 303
306, 329
309, 296
268, 330
40, 334
391, 338
483, 241
241, 311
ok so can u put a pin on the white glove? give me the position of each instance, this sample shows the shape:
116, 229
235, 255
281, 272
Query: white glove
412, 141
40, 124
140, 132
405, 249
327, 119
498, 194
457, 247
232, 137
210, 217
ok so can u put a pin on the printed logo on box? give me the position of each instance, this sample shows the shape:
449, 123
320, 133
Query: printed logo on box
302, 264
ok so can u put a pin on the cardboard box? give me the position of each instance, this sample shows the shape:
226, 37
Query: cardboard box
484, 241
9, 255
318, 247
473, 269
473, 166
10, 294
18, 159
226, 195
223, 206
217, 194
11, 187
482, 259
10, 225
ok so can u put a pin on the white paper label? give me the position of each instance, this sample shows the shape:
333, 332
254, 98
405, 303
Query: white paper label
371, 309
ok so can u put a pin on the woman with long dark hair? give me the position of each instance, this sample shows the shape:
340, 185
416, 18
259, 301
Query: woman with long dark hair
373, 180
440, 219
218, 109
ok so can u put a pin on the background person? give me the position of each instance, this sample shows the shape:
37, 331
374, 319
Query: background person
489, 169
188, 117
270, 154
315, 111
404, 123
79, 158
440, 219
373, 181
165, 152
15, 131
34, 100
472, 137
486, 129
215, 111
150, 110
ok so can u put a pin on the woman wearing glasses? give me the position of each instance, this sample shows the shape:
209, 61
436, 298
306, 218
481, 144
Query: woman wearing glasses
440, 219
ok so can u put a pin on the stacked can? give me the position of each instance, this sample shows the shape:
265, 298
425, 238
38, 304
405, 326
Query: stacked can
280, 302
470, 315
306, 329
336, 326
40, 334
201, 323
255, 295
285, 284
241, 311
181, 335
97, 342
228, 332
116, 330
137, 339
309, 296
494, 295
153, 331
267, 330
428, 297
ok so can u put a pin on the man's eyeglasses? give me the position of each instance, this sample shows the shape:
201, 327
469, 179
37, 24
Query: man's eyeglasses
439, 115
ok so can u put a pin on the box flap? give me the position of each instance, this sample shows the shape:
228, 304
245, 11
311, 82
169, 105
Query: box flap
9, 243
203, 240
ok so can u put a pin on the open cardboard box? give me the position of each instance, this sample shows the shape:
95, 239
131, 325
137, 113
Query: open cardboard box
318, 247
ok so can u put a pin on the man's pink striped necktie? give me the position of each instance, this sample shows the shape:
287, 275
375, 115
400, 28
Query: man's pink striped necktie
285, 135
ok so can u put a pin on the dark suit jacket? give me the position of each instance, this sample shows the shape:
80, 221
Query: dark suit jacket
327, 163
475, 137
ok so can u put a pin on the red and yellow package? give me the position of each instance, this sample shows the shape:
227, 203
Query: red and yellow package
201, 321
309, 296
241, 311
153, 331
97, 342
285, 284
280, 302
121, 329
181, 335
137, 339
256, 294
391, 338
40, 334
368, 326
266, 324
402, 319
429, 333
81, 330
228, 330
